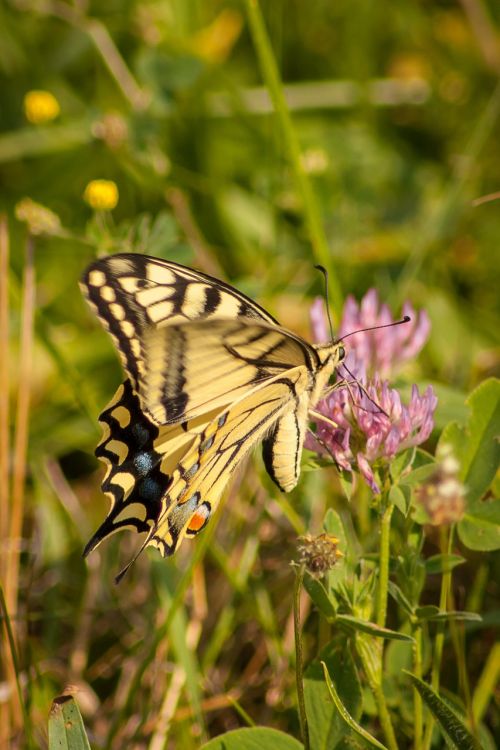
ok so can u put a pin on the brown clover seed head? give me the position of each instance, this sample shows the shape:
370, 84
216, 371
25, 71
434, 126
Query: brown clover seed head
443, 495
318, 553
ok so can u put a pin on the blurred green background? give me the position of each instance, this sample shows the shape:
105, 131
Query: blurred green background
396, 110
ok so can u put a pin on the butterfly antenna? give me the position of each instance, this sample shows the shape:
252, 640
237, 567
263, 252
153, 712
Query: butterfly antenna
327, 298
406, 319
363, 390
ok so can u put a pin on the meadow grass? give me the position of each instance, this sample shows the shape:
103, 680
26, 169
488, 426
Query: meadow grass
228, 153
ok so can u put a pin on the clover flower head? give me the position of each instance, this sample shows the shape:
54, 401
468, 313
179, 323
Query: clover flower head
374, 352
372, 425
443, 495
318, 553
366, 423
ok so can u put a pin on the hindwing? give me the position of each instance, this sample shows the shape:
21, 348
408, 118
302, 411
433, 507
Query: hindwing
140, 459
199, 479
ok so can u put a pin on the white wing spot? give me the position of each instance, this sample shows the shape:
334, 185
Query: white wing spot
117, 311
121, 415
160, 274
146, 297
119, 448
108, 293
136, 348
160, 311
97, 278
134, 511
228, 307
127, 328
128, 284
194, 300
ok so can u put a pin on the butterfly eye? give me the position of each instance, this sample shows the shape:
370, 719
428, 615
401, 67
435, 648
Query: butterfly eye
341, 353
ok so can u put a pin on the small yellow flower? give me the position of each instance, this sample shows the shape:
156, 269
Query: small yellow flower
40, 220
101, 195
41, 106
216, 41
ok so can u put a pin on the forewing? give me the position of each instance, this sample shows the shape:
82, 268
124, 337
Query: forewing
202, 366
131, 293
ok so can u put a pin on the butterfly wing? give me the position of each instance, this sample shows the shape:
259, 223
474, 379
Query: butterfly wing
140, 458
173, 329
131, 293
203, 365
144, 439
200, 477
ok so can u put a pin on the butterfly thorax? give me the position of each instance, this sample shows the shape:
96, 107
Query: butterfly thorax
331, 356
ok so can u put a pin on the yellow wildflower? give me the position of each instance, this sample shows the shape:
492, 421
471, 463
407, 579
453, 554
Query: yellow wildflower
216, 41
40, 220
101, 195
40, 106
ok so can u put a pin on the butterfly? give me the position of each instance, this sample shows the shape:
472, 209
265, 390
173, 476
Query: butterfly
210, 374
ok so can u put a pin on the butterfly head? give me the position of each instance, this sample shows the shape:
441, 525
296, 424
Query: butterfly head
331, 356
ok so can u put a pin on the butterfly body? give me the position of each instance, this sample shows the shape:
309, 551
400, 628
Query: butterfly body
210, 375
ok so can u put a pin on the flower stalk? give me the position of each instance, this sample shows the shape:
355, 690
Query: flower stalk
369, 650
384, 559
446, 539
418, 716
299, 663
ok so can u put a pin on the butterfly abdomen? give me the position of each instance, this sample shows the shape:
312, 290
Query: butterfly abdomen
282, 449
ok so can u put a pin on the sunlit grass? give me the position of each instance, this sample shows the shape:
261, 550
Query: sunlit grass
378, 190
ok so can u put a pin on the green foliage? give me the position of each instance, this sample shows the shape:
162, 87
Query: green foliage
453, 728
253, 739
326, 725
478, 449
66, 729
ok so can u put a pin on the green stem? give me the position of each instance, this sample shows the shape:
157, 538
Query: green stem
385, 719
384, 558
446, 546
370, 653
299, 676
311, 211
417, 700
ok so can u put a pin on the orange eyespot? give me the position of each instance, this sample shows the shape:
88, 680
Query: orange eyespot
199, 519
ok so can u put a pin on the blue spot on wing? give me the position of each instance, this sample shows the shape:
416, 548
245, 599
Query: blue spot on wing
144, 462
